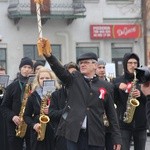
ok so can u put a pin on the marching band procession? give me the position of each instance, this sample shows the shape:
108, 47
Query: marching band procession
73, 106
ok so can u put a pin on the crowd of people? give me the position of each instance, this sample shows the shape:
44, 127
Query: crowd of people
85, 111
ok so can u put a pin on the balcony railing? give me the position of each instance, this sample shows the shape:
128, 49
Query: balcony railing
51, 9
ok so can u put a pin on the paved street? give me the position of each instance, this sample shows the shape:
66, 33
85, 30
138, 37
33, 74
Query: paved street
147, 144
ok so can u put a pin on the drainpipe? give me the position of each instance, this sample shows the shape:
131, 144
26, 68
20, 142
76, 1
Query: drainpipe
144, 18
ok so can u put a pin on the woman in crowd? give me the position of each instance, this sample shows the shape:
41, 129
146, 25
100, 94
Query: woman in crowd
34, 108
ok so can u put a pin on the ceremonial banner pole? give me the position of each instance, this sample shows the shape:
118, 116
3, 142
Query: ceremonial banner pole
38, 3
43, 45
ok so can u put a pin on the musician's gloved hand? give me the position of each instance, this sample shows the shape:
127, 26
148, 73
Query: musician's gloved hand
44, 47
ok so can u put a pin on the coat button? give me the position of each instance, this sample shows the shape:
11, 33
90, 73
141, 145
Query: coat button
91, 93
87, 108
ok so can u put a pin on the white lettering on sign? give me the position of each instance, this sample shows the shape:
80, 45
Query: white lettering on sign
126, 31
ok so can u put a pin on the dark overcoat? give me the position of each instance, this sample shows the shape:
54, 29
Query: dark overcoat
84, 100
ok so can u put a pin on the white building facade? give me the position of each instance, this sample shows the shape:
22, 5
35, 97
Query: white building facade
110, 28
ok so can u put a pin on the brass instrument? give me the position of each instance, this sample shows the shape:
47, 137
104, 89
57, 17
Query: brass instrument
2, 90
43, 119
105, 118
132, 103
22, 127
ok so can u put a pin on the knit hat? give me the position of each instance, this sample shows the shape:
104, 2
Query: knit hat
101, 62
89, 55
71, 65
37, 63
26, 61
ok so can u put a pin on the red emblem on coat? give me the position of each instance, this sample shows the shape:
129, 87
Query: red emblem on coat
128, 87
102, 92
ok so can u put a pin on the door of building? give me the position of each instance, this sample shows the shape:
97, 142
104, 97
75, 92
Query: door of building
118, 65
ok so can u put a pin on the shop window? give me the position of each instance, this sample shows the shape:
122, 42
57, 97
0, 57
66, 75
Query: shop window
31, 52
117, 58
3, 57
119, 52
82, 50
120, 0
91, 1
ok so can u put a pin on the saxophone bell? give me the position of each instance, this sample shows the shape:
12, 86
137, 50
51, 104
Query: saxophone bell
128, 115
132, 103
44, 119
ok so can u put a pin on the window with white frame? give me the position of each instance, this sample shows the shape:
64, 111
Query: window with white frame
91, 1
82, 50
3, 58
31, 52
120, 0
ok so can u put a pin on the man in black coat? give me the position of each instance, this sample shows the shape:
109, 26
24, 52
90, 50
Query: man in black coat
82, 121
127, 88
11, 106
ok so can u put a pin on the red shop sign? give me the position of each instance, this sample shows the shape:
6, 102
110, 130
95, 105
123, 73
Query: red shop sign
115, 31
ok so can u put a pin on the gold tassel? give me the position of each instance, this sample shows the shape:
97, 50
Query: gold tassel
44, 47
39, 1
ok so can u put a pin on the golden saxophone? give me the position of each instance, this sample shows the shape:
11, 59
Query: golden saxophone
132, 103
22, 127
43, 119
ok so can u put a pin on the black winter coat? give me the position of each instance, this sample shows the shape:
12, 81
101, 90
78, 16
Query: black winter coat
139, 120
58, 103
12, 103
56, 110
83, 100
31, 117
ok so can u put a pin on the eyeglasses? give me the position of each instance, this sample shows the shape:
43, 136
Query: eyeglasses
130, 63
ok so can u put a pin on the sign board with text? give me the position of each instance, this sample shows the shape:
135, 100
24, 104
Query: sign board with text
129, 31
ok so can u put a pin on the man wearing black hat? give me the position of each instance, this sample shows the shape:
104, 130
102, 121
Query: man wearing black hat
37, 65
11, 106
127, 88
82, 121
